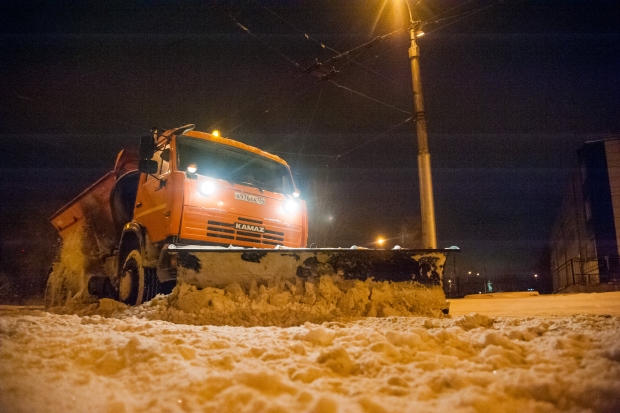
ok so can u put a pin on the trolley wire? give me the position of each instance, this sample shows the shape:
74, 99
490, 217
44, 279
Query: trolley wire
349, 57
318, 68
327, 75
322, 44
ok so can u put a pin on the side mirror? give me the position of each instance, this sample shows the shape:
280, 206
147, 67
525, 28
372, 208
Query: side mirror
147, 166
147, 147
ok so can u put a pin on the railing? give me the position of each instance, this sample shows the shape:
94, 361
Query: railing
576, 272
461, 286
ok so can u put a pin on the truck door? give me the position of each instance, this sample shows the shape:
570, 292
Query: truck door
153, 199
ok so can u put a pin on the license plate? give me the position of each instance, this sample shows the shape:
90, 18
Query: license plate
249, 227
250, 198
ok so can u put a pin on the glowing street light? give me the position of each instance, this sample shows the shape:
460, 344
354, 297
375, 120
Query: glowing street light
380, 241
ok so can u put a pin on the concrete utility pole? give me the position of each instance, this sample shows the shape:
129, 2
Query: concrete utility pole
429, 232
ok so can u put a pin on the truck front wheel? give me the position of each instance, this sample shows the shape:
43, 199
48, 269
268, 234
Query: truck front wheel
137, 284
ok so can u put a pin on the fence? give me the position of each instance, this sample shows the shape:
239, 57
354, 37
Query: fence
576, 272
455, 287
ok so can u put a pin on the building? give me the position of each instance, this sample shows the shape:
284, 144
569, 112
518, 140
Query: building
585, 254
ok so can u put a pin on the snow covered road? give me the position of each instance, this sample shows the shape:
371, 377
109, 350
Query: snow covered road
566, 358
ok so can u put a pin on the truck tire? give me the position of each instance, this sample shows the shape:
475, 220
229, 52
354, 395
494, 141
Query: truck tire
137, 284
131, 280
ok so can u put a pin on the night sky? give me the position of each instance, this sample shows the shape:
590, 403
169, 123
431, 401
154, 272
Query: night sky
512, 88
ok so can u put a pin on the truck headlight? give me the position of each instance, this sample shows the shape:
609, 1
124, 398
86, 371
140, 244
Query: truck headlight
291, 206
206, 188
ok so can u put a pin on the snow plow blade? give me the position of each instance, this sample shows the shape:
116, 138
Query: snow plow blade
219, 267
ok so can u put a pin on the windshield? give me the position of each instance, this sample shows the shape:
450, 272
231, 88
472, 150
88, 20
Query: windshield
234, 165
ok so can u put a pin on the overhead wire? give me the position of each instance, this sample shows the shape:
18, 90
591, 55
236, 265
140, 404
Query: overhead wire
369, 97
316, 105
340, 55
343, 55
306, 35
262, 97
291, 61
463, 16
269, 109
458, 6
361, 48
248, 31
322, 44
369, 141
347, 54
305, 135
458, 18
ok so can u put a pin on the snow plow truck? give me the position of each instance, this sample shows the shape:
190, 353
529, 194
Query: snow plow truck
194, 207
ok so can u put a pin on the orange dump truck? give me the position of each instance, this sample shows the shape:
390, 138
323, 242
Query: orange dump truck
206, 210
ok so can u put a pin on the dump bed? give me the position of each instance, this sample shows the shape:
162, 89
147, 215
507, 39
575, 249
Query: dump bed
103, 206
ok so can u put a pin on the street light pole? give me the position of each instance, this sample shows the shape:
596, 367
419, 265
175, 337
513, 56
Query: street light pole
429, 232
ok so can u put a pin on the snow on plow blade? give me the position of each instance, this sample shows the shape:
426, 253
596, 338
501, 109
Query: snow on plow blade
218, 267
292, 286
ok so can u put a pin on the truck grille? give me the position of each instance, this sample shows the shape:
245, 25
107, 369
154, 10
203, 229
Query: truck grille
227, 231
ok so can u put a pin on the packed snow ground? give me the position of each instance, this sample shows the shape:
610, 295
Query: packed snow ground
499, 358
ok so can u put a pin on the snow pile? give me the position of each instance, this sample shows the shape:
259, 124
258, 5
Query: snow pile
473, 363
281, 304
328, 299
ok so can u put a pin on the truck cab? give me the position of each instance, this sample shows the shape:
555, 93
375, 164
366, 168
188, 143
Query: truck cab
201, 189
